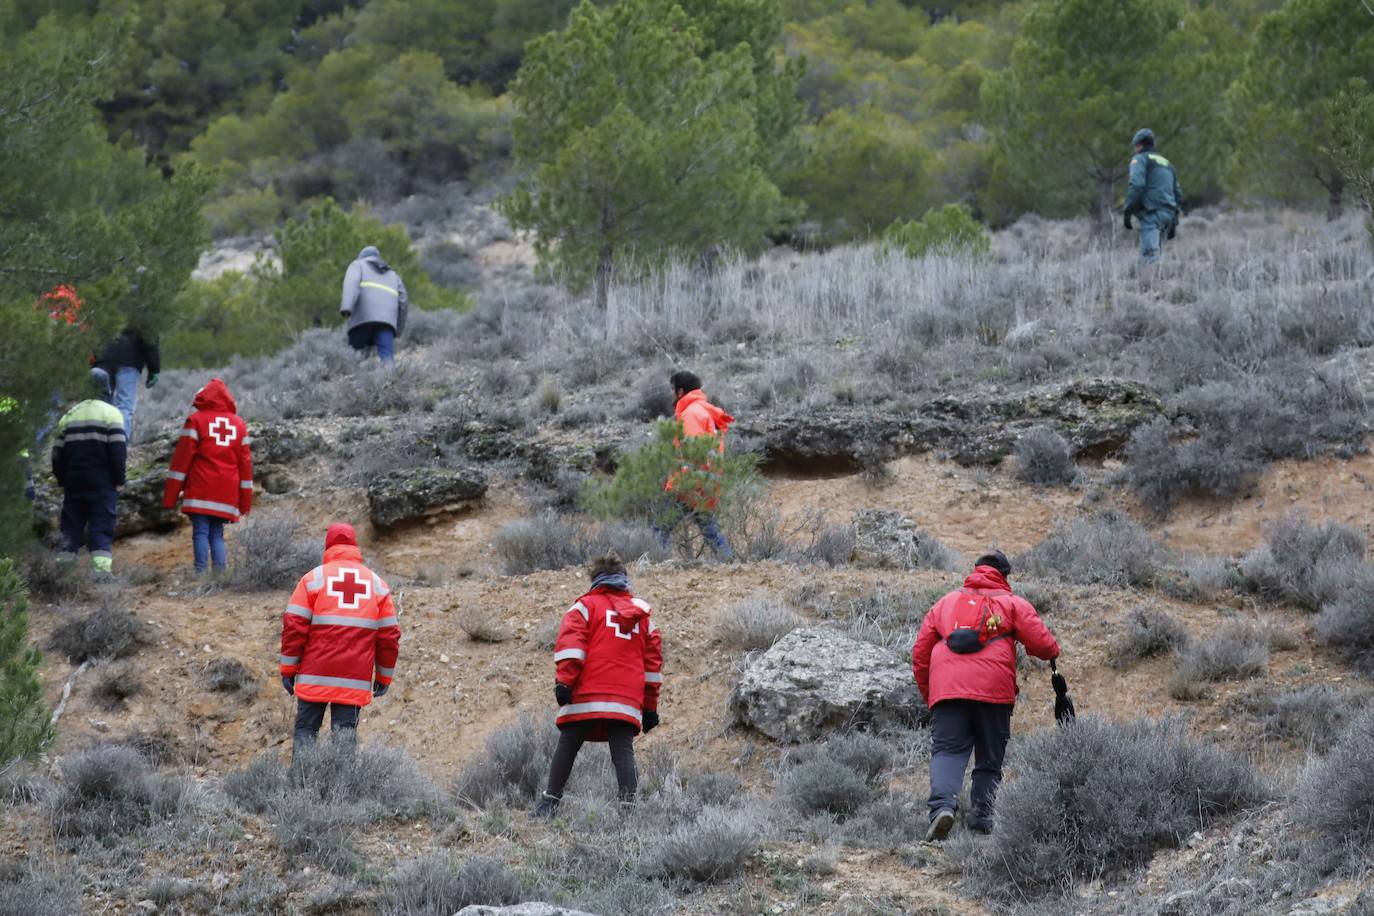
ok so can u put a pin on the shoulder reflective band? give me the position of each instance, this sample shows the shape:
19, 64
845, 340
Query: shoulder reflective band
382, 286
581, 609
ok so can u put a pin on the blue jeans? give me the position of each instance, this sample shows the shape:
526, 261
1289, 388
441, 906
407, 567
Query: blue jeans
375, 334
126, 397
207, 541
710, 530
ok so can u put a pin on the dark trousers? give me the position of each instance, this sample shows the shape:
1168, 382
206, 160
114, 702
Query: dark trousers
88, 517
710, 530
958, 728
310, 716
620, 737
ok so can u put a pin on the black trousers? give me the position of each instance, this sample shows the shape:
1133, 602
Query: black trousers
958, 728
310, 716
620, 738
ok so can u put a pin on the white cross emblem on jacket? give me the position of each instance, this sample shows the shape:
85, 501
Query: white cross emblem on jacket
223, 431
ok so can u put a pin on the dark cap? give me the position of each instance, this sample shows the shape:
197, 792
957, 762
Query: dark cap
997, 560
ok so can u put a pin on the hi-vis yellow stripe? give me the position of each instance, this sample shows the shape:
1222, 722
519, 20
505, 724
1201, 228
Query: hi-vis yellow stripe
381, 286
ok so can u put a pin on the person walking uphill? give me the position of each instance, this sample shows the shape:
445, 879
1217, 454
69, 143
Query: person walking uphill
375, 304
212, 470
339, 640
965, 666
89, 453
125, 358
1154, 196
698, 489
609, 662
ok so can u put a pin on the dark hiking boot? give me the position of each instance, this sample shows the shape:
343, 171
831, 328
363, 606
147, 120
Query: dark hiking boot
548, 805
940, 825
980, 825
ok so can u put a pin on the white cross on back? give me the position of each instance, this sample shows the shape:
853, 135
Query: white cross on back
223, 431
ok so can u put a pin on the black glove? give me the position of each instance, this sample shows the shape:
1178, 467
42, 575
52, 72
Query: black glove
1063, 704
562, 693
650, 720
290, 684
1173, 231
1127, 221
379, 689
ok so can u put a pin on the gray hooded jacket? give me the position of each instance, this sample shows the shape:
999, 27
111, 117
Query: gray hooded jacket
373, 292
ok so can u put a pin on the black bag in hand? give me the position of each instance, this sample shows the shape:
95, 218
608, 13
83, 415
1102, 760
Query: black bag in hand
1063, 704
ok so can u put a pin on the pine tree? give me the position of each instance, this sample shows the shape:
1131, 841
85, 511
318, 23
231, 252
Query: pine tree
24, 724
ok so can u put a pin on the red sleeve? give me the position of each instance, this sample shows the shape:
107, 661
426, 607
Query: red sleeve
245, 457
570, 651
295, 627
388, 639
926, 640
653, 666
182, 458
1031, 631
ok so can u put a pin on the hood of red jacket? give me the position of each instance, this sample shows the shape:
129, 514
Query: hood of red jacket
343, 552
987, 577
215, 396
718, 416
625, 618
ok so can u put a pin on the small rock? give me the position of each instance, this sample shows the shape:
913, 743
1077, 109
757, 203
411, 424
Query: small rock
415, 493
147, 906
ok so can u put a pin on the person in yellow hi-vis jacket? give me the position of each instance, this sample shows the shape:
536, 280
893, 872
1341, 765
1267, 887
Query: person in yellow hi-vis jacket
89, 453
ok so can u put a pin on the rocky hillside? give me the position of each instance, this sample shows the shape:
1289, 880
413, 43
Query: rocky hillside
1177, 464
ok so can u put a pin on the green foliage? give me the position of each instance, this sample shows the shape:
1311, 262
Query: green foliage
259, 313
950, 229
24, 724
864, 169
362, 123
1348, 129
635, 145
1084, 75
1302, 54
636, 492
81, 211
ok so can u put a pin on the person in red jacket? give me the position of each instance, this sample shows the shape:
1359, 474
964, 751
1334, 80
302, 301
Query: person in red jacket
697, 488
212, 470
965, 666
339, 640
609, 662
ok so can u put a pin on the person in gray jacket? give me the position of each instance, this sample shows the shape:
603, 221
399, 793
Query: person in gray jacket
375, 304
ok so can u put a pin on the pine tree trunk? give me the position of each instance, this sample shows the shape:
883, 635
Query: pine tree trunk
1335, 197
1106, 201
605, 259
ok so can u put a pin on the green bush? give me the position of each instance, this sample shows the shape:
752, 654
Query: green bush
24, 723
949, 230
636, 490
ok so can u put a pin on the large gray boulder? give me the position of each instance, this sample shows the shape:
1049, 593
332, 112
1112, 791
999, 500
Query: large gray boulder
1096, 416
521, 909
817, 680
139, 508
408, 495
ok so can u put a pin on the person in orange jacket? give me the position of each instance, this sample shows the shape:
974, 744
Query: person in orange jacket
340, 639
609, 670
212, 472
697, 489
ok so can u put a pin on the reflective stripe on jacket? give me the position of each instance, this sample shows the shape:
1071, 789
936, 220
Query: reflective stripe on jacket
611, 654
339, 632
212, 466
988, 675
89, 451
373, 292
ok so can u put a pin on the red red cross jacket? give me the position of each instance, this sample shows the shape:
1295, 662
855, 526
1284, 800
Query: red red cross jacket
212, 461
611, 655
339, 634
